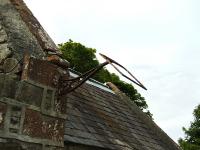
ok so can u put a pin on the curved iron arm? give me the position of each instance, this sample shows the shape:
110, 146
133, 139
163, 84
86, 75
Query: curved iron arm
78, 81
111, 61
69, 85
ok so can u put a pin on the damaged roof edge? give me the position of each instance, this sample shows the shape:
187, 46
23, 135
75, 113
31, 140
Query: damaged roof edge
155, 128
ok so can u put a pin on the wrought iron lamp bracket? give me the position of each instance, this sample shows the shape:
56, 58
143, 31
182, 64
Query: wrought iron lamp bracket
69, 85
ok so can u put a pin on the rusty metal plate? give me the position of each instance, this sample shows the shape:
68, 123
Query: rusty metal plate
44, 127
40, 71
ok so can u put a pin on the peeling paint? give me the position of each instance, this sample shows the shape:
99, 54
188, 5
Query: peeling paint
40, 71
36, 125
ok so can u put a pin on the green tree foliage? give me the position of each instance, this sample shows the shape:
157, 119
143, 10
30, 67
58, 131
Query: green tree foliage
192, 138
82, 59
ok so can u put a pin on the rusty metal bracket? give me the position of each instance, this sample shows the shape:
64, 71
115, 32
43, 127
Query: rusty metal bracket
134, 80
69, 85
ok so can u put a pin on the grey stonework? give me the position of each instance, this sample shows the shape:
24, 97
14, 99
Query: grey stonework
21, 32
19, 36
11, 65
29, 117
3, 35
4, 50
13, 124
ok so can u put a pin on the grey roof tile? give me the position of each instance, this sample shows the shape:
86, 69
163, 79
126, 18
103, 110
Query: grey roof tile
103, 119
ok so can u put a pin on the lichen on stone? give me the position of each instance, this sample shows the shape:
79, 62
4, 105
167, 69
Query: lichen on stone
4, 52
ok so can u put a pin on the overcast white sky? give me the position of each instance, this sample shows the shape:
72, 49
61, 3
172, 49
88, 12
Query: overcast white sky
158, 40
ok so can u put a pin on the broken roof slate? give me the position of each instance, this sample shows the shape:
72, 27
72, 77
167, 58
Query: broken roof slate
103, 119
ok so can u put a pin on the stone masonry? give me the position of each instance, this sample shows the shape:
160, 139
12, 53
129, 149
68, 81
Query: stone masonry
32, 115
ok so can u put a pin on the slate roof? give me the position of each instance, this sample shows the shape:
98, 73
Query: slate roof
99, 118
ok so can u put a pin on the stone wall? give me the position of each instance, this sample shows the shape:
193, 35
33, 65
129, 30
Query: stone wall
20, 31
30, 112
4, 50
32, 116
15, 33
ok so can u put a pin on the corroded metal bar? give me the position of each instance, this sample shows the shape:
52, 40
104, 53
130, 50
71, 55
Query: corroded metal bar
69, 85
111, 61
78, 81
